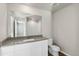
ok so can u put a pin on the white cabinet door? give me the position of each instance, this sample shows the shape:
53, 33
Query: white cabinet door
7, 51
44, 48
22, 49
39, 48
16, 50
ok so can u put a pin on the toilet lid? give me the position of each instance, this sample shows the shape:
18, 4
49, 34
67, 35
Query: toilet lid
55, 48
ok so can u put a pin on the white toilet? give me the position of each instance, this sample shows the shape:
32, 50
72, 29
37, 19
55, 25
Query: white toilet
53, 49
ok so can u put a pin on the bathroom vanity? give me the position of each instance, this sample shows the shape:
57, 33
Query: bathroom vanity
25, 46
25, 38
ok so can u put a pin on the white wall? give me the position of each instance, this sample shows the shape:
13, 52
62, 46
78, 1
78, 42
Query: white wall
3, 21
64, 28
46, 16
77, 25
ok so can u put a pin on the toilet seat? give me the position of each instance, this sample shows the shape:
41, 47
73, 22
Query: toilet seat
55, 48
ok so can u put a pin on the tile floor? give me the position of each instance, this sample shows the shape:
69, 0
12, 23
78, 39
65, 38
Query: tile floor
60, 54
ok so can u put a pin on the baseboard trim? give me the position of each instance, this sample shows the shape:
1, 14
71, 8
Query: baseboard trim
65, 53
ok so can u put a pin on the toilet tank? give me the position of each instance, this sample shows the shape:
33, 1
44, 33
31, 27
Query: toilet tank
50, 41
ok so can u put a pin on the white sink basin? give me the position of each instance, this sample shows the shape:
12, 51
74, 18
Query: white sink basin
24, 40
28, 40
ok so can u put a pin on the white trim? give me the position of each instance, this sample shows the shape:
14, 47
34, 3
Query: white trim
65, 53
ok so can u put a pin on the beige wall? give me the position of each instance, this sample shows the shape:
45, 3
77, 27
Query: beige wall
46, 16
3, 21
77, 24
64, 29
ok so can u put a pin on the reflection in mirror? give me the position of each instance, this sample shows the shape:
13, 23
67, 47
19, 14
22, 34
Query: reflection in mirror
23, 24
34, 25
20, 25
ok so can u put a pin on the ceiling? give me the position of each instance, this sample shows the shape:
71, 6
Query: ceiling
57, 6
48, 6
44, 6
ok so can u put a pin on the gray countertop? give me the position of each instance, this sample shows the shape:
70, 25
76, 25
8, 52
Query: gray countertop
21, 40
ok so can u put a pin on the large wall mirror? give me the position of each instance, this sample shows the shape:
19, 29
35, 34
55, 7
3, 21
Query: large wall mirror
24, 24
